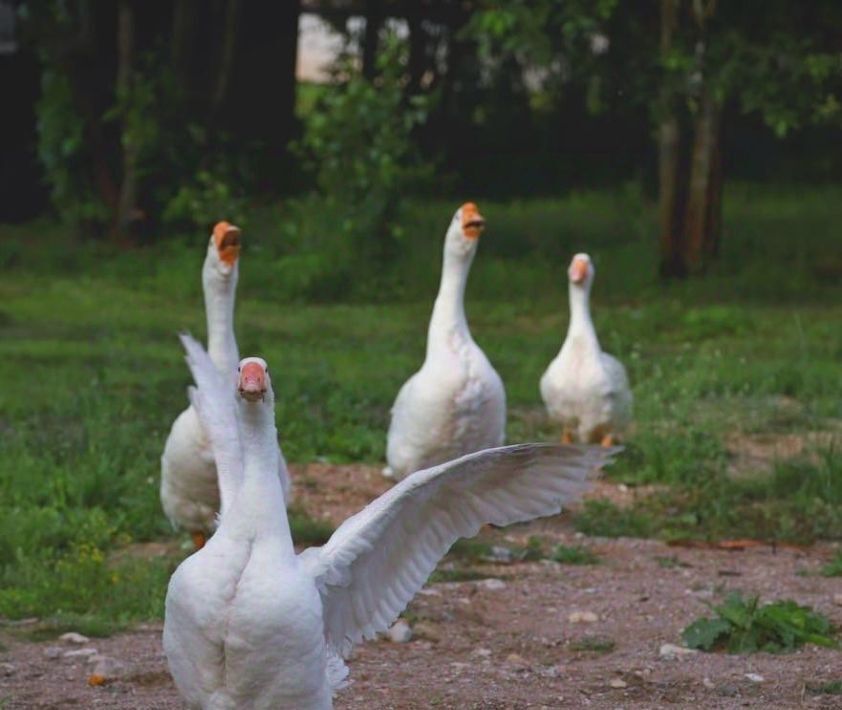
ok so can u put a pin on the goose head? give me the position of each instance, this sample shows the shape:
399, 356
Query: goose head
581, 272
464, 230
253, 381
224, 248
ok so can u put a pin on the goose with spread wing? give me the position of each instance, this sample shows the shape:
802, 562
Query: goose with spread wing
189, 488
250, 623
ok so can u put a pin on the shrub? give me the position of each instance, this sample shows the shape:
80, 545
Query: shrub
744, 626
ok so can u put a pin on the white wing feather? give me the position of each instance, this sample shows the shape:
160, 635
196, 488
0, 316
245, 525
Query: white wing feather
213, 400
377, 560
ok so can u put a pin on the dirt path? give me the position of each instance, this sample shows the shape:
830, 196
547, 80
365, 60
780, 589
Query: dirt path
511, 643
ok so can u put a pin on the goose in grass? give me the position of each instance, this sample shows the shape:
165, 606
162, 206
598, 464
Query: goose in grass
455, 403
251, 624
584, 389
189, 489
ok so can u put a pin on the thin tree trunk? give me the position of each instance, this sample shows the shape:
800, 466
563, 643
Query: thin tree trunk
126, 206
671, 172
702, 219
714, 235
696, 218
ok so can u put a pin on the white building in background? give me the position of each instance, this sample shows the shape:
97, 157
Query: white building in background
319, 45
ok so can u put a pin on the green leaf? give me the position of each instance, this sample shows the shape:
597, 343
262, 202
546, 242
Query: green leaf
705, 633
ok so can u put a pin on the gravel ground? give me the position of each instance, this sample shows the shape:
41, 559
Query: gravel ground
511, 643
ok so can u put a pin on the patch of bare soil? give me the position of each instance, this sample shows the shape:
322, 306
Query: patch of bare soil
333, 492
512, 643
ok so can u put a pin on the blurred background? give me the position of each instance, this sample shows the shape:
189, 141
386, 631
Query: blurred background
692, 147
136, 122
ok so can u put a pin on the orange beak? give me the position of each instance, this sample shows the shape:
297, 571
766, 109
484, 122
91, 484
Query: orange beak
227, 239
578, 270
252, 384
472, 221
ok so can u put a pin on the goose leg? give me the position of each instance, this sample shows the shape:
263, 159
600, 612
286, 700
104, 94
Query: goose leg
607, 440
199, 539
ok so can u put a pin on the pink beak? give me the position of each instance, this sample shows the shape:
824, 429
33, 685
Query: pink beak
252, 382
578, 271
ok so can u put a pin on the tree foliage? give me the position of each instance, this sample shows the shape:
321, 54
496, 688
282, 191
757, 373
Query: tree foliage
358, 141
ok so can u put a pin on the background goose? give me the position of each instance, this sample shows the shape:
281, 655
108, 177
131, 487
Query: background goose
189, 489
585, 389
251, 624
455, 403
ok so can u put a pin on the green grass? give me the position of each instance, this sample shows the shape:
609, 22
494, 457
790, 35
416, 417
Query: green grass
833, 687
458, 575
834, 567
574, 555
743, 625
91, 375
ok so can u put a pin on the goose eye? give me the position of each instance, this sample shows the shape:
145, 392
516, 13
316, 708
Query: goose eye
239, 368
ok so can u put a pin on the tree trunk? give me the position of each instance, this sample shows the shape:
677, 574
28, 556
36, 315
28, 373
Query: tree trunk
671, 165
714, 234
699, 218
127, 203
672, 196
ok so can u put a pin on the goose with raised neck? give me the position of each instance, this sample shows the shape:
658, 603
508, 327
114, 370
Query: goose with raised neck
584, 389
250, 624
219, 285
455, 403
189, 491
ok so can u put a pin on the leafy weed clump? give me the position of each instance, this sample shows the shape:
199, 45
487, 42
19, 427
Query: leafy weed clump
743, 625
575, 555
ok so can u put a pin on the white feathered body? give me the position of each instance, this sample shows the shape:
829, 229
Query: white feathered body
189, 489
453, 405
244, 622
587, 391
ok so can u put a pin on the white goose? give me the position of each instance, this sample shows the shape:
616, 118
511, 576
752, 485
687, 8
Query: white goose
585, 389
189, 489
250, 624
455, 403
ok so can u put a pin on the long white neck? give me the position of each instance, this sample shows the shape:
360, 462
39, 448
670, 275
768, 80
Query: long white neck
581, 332
260, 501
220, 292
449, 310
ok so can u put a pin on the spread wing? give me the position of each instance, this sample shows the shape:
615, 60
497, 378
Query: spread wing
214, 402
378, 559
